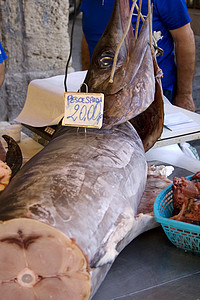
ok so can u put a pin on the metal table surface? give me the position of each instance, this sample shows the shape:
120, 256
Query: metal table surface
151, 267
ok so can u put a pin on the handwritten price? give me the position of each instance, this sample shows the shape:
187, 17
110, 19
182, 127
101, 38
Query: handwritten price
84, 114
83, 109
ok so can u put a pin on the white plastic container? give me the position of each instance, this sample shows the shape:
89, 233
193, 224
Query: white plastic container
14, 130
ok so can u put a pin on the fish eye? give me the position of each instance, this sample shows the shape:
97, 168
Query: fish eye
106, 59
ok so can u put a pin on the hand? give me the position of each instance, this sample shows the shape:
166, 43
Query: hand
184, 101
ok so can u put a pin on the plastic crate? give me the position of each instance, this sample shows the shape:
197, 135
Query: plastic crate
183, 235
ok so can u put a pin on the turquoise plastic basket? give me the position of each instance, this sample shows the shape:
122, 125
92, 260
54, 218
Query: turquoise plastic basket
182, 235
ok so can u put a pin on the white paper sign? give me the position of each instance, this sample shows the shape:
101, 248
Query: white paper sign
83, 109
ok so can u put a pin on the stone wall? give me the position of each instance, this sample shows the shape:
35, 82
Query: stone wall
34, 35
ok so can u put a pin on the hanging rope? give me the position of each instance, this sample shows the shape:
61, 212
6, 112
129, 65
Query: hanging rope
141, 16
138, 19
150, 22
120, 43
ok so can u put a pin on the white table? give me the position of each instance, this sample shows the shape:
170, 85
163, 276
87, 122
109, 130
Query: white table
180, 133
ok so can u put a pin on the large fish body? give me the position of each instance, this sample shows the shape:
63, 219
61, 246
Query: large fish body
86, 185
79, 196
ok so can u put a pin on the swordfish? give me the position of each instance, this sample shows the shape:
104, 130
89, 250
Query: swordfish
72, 208
135, 93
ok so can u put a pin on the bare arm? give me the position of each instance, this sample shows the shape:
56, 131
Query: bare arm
2, 74
185, 58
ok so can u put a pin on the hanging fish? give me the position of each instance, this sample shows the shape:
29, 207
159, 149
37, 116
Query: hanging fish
72, 208
136, 85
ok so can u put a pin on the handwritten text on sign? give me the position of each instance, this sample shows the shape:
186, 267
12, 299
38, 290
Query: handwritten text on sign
83, 109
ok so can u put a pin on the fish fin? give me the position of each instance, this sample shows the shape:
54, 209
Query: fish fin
104, 256
14, 157
117, 232
142, 223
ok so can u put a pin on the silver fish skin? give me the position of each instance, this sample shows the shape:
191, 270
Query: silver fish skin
86, 185
133, 87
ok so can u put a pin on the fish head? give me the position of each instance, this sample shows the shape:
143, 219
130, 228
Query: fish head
133, 86
102, 60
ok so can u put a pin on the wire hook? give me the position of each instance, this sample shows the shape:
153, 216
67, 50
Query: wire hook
86, 87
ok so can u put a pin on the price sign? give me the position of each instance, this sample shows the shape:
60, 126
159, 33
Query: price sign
83, 109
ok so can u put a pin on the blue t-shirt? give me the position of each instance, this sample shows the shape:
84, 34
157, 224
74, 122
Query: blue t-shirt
3, 55
167, 15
